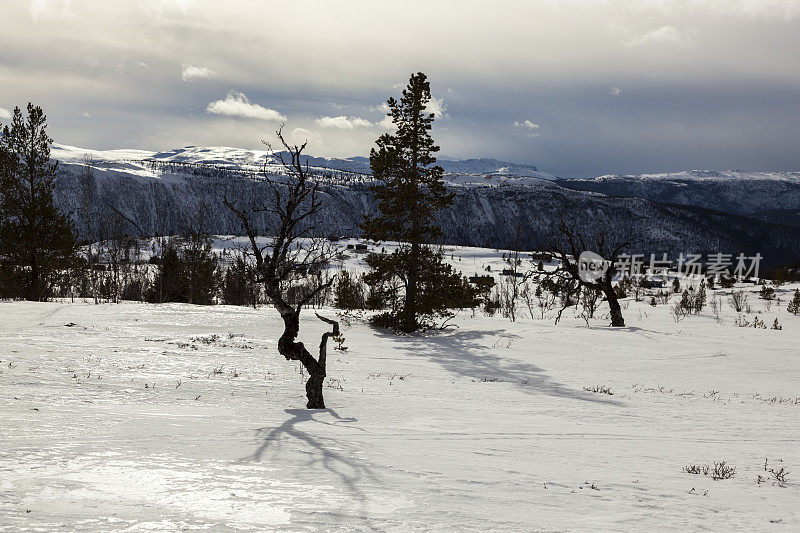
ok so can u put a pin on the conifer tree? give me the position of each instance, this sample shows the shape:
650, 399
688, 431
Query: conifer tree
238, 286
36, 240
700, 298
794, 305
348, 293
187, 273
410, 194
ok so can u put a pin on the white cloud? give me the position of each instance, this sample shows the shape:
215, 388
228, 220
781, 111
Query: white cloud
437, 107
50, 9
299, 136
383, 107
191, 73
301, 132
615, 91
343, 122
527, 124
386, 123
236, 104
530, 126
664, 35
86, 115
5, 113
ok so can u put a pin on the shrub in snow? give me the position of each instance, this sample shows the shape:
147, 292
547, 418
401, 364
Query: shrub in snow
738, 300
721, 470
599, 389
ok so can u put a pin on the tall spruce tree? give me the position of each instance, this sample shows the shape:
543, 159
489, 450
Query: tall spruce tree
409, 195
36, 239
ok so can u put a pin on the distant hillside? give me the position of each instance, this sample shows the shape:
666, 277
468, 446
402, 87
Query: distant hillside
748, 193
148, 194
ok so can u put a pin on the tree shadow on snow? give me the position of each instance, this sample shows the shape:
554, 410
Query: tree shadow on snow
472, 354
322, 453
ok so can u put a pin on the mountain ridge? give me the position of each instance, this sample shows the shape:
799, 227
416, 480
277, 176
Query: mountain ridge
136, 194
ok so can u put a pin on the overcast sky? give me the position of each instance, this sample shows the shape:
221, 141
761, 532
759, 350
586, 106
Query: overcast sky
578, 88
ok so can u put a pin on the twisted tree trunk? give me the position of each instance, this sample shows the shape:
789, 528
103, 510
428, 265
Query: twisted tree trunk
615, 310
295, 201
293, 350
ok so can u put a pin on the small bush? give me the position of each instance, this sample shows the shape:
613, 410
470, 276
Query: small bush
678, 312
780, 474
697, 469
599, 389
722, 471
767, 293
738, 301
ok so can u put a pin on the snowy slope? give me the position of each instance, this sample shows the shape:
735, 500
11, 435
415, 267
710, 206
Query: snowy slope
139, 417
75, 155
230, 157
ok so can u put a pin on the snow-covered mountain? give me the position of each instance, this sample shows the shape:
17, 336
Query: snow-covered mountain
705, 176
254, 160
764, 195
148, 193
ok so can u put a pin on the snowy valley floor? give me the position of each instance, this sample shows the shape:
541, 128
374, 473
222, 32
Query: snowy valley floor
163, 417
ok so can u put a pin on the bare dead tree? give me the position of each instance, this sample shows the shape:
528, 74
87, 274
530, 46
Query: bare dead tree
514, 279
568, 249
115, 250
289, 256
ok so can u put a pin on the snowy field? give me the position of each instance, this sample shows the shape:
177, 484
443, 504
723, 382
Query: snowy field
138, 417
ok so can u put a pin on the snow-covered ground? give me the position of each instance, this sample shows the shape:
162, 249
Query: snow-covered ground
164, 417
467, 260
